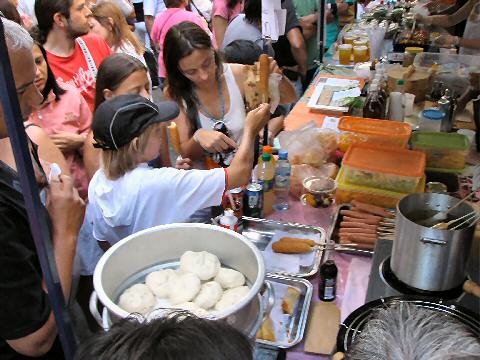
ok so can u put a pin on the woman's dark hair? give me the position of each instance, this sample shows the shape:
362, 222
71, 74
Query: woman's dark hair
44, 11
232, 3
113, 71
181, 41
51, 83
180, 336
253, 11
10, 12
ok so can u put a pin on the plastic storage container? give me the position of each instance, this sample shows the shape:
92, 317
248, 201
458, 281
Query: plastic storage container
354, 130
431, 120
443, 150
384, 168
346, 193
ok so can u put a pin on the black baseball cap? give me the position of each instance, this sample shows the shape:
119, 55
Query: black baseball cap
119, 120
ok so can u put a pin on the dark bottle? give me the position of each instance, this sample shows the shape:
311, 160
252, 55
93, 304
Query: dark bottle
374, 106
328, 281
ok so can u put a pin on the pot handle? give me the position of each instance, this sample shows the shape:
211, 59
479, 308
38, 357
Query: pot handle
92, 304
433, 241
268, 292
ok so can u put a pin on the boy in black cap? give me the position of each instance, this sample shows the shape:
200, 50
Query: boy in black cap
126, 195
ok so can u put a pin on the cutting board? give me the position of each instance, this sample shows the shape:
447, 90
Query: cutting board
321, 335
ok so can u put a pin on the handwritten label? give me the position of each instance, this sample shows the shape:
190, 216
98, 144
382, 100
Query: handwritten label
331, 123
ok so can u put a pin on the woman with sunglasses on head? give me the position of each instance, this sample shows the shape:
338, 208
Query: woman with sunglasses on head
207, 91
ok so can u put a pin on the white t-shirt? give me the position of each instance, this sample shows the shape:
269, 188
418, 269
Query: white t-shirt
146, 197
153, 7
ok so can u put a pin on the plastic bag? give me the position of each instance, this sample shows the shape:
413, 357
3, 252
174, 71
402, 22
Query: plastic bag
301, 172
309, 145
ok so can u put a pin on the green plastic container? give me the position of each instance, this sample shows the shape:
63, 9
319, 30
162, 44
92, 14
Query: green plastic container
443, 150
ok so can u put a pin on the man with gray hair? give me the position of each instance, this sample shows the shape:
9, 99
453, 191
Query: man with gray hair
27, 324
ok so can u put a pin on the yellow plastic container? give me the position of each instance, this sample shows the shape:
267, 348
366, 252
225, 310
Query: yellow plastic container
346, 193
354, 130
377, 167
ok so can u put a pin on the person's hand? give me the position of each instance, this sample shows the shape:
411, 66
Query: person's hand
183, 164
446, 41
274, 69
213, 141
427, 20
66, 141
257, 119
65, 206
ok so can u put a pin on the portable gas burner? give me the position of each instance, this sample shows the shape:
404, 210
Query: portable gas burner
384, 283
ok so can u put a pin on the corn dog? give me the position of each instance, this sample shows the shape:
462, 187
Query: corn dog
291, 247
306, 241
264, 75
173, 130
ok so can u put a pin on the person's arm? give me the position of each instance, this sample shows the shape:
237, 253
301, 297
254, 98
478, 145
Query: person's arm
149, 14
149, 19
219, 25
47, 150
309, 25
91, 156
299, 49
448, 20
240, 169
66, 210
447, 41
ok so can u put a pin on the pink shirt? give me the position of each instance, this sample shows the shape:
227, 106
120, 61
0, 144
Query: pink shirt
220, 8
69, 114
165, 21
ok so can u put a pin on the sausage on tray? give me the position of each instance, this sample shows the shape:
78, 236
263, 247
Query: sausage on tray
372, 209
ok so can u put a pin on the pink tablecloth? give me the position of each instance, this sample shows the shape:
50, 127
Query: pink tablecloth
353, 271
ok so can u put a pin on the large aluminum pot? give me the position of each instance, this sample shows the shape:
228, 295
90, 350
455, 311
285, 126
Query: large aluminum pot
426, 258
165, 244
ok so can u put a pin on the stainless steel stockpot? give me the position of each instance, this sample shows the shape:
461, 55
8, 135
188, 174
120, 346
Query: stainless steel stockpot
150, 248
425, 258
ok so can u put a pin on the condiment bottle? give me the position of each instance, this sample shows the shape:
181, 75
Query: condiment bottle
328, 281
373, 107
266, 176
444, 104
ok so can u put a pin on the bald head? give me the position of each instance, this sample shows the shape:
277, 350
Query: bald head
19, 46
17, 37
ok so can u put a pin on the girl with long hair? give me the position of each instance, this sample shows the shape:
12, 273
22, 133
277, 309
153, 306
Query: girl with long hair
207, 91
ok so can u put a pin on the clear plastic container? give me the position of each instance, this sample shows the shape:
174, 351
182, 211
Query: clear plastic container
443, 150
384, 168
354, 130
347, 192
431, 120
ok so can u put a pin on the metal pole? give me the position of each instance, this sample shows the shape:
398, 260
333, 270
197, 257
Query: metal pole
321, 29
36, 216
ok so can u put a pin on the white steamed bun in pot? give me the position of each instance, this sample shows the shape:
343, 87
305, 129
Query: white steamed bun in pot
185, 288
193, 308
229, 278
209, 294
137, 299
231, 297
203, 264
160, 282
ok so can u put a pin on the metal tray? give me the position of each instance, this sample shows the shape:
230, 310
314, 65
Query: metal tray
261, 232
333, 232
295, 323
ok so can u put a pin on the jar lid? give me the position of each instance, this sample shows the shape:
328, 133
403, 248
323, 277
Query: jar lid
433, 114
413, 50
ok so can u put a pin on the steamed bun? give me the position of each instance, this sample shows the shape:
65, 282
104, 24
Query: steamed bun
229, 278
185, 288
193, 308
209, 294
231, 297
203, 264
160, 282
137, 299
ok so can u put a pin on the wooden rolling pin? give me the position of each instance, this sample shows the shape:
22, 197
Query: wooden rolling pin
174, 136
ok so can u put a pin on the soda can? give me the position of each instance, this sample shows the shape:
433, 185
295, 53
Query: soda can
253, 204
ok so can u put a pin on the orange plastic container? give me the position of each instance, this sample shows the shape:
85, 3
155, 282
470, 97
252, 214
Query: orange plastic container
354, 130
384, 168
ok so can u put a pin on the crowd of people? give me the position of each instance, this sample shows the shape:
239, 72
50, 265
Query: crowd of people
85, 73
